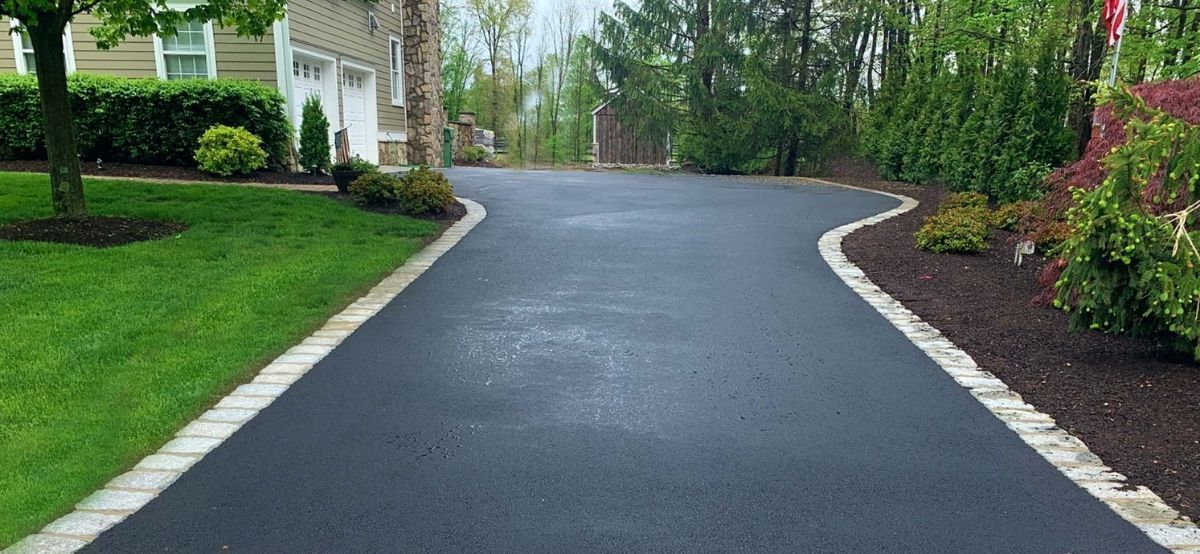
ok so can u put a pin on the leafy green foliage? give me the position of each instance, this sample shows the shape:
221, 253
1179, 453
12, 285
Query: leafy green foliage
376, 189
964, 200
1009, 217
356, 164
144, 120
957, 230
474, 154
424, 191
1131, 263
229, 151
314, 136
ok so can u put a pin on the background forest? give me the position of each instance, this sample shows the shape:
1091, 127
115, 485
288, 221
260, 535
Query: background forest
986, 95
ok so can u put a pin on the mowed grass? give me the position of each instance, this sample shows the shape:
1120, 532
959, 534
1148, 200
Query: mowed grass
104, 354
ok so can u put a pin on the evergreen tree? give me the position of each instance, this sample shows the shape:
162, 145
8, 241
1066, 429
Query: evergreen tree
314, 136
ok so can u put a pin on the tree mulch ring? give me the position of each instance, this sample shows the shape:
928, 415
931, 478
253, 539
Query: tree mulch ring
1133, 401
168, 172
97, 231
455, 212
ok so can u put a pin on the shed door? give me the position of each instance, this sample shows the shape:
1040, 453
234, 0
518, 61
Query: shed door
354, 99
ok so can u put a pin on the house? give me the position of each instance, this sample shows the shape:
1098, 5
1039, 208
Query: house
376, 66
615, 144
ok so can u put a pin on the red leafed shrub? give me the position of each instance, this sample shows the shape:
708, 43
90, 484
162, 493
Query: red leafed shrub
1180, 99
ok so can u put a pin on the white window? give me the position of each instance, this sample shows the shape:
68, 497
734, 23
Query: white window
188, 54
26, 64
397, 47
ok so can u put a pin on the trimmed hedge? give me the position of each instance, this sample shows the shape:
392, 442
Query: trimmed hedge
144, 120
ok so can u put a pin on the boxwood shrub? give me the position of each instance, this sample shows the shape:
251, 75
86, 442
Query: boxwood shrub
957, 230
144, 120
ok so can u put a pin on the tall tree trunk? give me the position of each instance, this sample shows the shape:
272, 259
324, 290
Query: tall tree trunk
802, 80
66, 184
1086, 53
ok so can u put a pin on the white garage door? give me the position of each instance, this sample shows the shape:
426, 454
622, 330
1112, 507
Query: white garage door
307, 77
354, 100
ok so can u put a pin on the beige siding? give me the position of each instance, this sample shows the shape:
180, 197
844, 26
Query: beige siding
244, 57
240, 58
133, 58
8, 58
340, 27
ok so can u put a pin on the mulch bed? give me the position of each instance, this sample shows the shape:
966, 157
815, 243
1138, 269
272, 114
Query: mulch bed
116, 169
100, 232
1134, 402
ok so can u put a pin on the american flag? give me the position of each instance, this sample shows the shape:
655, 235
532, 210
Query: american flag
1115, 12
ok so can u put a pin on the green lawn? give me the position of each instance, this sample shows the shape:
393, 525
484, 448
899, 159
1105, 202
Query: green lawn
104, 354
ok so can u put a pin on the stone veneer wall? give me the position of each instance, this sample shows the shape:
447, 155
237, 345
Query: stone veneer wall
423, 76
464, 133
393, 153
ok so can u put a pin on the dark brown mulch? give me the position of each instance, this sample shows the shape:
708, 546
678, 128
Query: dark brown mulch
455, 212
101, 232
1135, 403
115, 169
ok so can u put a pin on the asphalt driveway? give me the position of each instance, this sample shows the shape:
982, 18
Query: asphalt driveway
615, 362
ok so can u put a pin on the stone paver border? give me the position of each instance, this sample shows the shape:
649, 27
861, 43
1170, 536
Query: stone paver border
128, 492
1137, 505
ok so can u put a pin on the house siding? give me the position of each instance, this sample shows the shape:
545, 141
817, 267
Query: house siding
246, 58
237, 57
133, 58
339, 27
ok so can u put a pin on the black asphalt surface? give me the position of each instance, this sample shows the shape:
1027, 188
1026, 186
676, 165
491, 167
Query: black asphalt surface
618, 362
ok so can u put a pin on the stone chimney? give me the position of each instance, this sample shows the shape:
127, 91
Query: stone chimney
467, 118
423, 79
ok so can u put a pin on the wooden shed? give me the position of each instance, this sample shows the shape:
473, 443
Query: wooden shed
620, 145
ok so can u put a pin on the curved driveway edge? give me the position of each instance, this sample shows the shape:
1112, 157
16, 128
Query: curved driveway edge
1137, 505
130, 491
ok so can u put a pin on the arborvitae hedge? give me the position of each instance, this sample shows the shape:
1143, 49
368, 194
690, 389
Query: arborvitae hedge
973, 132
144, 120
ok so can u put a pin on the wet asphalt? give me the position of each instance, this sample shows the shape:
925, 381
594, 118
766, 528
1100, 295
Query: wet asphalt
622, 362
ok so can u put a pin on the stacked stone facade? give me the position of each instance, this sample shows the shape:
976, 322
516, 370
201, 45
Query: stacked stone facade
423, 76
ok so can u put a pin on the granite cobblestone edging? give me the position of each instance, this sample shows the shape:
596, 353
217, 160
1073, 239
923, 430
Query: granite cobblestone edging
128, 492
1137, 505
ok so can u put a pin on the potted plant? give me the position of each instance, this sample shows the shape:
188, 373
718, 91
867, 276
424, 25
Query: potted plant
345, 173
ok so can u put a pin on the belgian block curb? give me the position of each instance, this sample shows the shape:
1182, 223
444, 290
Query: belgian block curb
1137, 505
130, 491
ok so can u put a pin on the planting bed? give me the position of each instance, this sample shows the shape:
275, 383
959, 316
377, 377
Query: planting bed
90, 231
168, 172
1134, 402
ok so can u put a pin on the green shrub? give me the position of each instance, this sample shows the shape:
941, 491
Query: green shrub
314, 136
964, 200
425, 192
959, 230
474, 154
1027, 183
1132, 264
1009, 216
229, 151
356, 164
376, 189
144, 120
